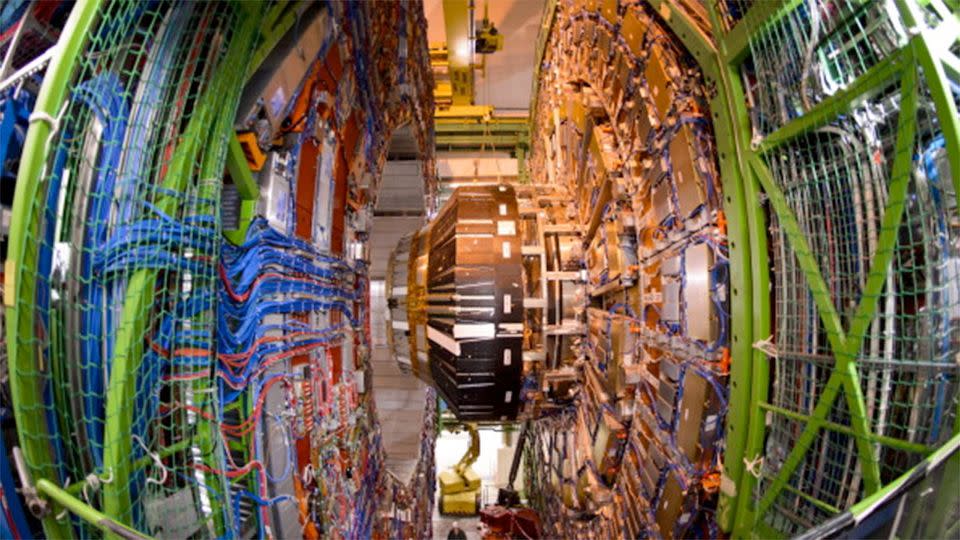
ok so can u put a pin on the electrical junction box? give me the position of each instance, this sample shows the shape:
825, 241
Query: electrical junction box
671, 302
686, 178
276, 188
662, 207
608, 445
670, 506
658, 82
699, 418
702, 321
323, 204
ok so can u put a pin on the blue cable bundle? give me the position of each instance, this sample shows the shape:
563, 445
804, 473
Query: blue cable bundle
103, 95
13, 129
272, 275
16, 111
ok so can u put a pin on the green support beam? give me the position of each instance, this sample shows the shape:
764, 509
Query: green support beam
489, 142
746, 177
892, 442
247, 188
749, 288
736, 44
107, 524
519, 127
276, 22
20, 285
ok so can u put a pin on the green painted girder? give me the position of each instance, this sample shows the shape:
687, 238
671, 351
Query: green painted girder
750, 304
20, 285
108, 524
736, 43
518, 127
846, 345
829, 508
892, 442
247, 188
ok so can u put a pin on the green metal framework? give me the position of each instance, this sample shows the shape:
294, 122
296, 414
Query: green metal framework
751, 187
19, 291
200, 152
123, 426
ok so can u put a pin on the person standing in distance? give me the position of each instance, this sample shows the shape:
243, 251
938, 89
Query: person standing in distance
456, 533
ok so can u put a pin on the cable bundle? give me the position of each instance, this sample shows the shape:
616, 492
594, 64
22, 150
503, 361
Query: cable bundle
272, 287
115, 255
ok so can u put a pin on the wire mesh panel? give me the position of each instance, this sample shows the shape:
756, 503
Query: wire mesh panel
118, 274
864, 243
814, 51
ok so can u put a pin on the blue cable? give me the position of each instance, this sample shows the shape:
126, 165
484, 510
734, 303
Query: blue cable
103, 95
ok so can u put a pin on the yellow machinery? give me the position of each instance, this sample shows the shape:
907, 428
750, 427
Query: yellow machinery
460, 485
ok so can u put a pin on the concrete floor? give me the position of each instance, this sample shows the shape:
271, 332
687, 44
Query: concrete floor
399, 397
399, 400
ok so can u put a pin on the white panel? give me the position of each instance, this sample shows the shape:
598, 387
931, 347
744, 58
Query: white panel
468, 167
484, 330
443, 340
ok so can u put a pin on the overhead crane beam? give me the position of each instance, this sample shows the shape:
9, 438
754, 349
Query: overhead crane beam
458, 24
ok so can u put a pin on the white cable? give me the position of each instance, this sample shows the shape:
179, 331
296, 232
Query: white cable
754, 466
54, 122
63, 513
308, 474
43, 116
767, 347
94, 481
156, 460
